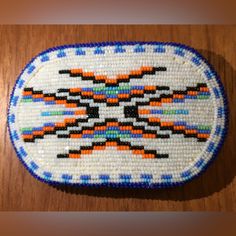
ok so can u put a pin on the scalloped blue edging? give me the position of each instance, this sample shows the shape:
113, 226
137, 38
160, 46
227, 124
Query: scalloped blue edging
201, 165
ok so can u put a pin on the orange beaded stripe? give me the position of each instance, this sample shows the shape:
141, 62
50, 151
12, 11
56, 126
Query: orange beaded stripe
124, 96
110, 81
121, 146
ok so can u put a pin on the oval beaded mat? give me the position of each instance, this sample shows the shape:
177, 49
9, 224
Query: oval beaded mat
118, 114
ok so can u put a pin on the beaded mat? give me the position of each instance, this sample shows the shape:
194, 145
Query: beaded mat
118, 114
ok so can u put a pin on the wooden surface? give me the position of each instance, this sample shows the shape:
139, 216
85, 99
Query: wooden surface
213, 190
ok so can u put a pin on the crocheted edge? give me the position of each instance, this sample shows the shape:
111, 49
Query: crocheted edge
202, 167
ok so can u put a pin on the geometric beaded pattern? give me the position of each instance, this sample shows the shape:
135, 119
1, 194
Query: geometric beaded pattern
133, 114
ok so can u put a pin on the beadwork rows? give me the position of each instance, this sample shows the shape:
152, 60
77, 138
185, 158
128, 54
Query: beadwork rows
124, 114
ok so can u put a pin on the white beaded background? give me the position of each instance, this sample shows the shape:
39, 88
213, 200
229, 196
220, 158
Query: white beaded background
183, 152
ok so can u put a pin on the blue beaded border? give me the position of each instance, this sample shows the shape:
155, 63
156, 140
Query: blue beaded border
125, 179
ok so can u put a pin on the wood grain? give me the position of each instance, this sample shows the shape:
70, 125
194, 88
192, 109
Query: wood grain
214, 190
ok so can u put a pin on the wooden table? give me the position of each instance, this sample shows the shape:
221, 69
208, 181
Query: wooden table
213, 190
